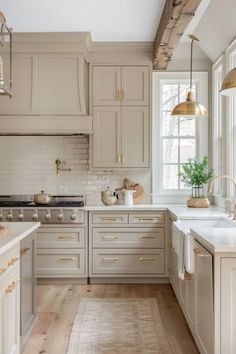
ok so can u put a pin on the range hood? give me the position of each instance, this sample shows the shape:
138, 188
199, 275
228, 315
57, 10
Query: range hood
38, 125
53, 97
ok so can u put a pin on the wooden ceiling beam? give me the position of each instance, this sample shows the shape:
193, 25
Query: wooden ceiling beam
174, 20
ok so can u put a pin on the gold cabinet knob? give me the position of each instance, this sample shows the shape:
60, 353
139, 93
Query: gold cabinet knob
12, 261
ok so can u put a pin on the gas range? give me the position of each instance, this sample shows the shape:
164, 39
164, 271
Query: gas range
61, 210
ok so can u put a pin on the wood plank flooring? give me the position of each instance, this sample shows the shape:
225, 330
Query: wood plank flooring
57, 305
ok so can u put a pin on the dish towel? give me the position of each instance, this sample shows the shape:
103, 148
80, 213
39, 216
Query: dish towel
178, 245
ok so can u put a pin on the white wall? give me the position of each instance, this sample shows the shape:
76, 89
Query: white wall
27, 166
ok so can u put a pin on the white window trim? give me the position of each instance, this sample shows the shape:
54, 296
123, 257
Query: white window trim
201, 80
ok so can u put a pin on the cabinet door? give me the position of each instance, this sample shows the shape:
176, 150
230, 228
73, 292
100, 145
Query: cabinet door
106, 85
9, 317
22, 86
28, 285
135, 137
204, 323
135, 85
190, 299
107, 137
59, 85
228, 307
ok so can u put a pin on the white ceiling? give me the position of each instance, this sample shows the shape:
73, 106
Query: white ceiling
107, 20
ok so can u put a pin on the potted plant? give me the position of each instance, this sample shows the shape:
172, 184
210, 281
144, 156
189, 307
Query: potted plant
196, 173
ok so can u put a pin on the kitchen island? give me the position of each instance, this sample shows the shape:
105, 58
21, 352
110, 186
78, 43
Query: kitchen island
10, 277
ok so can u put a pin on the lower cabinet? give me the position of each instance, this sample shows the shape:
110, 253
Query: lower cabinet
127, 244
10, 304
62, 252
28, 286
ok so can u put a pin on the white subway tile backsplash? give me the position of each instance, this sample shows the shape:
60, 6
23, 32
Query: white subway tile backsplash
27, 165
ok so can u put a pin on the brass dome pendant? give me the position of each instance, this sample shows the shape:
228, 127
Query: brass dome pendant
229, 84
190, 108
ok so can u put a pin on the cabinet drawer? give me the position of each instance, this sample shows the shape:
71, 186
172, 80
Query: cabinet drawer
128, 238
61, 238
111, 218
123, 261
9, 261
146, 218
60, 262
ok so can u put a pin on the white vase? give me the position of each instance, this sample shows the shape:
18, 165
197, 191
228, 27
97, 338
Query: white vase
128, 197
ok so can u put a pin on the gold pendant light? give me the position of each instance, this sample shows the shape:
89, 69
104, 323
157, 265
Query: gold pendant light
5, 37
190, 107
229, 84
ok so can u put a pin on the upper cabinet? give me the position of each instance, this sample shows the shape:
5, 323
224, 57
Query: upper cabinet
46, 84
121, 85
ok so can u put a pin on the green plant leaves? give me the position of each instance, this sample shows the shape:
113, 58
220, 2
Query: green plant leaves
195, 172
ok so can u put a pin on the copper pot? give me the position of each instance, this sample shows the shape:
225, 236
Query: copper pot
42, 198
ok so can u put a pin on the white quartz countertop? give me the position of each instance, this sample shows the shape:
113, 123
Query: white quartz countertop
179, 211
216, 240
16, 231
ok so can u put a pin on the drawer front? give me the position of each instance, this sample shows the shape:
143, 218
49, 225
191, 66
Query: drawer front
146, 218
9, 261
128, 238
110, 218
61, 238
65, 262
128, 261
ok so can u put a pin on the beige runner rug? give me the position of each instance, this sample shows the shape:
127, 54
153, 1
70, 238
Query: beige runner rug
118, 326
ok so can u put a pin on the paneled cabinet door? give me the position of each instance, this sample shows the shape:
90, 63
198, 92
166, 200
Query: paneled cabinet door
135, 85
22, 86
28, 285
204, 319
135, 137
9, 318
106, 85
227, 308
106, 138
59, 85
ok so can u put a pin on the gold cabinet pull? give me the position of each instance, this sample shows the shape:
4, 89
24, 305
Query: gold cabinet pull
110, 237
66, 259
118, 158
110, 259
147, 219
66, 237
200, 252
11, 287
109, 219
153, 259
2, 270
148, 237
12, 261
118, 95
122, 158
25, 251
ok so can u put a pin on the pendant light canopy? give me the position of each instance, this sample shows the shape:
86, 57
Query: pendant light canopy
190, 107
229, 84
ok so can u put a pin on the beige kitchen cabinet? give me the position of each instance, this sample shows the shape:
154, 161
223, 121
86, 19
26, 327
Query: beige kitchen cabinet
47, 85
62, 251
121, 85
128, 245
204, 318
121, 137
10, 302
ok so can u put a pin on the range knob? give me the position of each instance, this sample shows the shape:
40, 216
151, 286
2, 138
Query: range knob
60, 215
9, 216
47, 215
20, 216
73, 216
35, 216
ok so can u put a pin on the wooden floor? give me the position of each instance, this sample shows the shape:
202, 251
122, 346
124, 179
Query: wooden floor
57, 305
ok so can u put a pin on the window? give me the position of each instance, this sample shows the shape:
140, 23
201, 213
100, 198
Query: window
217, 125
176, 139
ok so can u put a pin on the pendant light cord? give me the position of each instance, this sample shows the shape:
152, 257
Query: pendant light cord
191, 65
